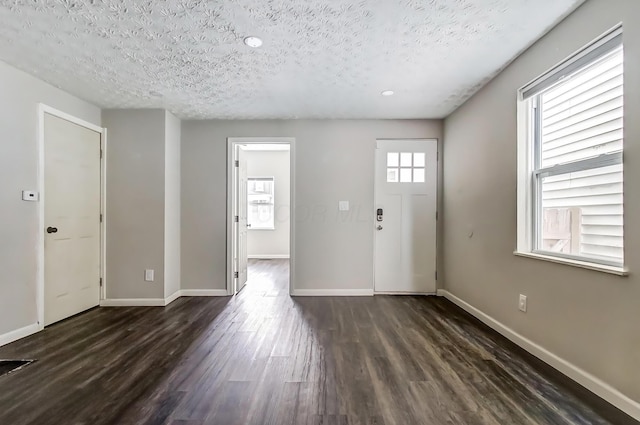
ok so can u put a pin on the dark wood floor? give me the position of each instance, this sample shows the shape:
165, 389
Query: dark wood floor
265, 358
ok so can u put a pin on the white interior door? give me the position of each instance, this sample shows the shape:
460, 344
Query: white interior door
241, 201
72, 219
405, 235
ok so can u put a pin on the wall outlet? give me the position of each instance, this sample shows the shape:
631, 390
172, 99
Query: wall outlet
148, 275
29, 195
522, 303
343, 205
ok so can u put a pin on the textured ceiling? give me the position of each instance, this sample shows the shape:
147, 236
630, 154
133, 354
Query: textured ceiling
320, 58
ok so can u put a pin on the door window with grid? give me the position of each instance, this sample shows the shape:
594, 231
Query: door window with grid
405, 167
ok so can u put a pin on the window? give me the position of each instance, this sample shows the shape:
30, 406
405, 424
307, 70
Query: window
405, 167
570, 158
261, 214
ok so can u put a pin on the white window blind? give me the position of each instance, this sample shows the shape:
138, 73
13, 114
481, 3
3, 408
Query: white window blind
582, 118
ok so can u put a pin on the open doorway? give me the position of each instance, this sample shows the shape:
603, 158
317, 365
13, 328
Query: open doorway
260, 225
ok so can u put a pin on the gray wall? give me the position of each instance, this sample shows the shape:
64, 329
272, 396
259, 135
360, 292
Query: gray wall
334, 161
266, 243
172, 205
21, 94
586, 317
135, 202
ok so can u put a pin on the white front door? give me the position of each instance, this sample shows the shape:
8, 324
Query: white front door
405, 222
72, 219
241, 201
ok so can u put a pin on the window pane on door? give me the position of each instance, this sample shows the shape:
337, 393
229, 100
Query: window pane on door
405, 159
393, 159
418, 175
392, 175
419, 159
405, 175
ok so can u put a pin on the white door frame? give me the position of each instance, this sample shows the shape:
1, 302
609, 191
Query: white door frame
373, 228
231, 148
42, 110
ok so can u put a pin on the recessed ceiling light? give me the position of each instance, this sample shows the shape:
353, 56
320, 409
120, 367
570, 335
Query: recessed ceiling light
253, 41
387, 93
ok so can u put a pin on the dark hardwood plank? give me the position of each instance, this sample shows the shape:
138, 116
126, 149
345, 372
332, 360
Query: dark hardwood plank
266, 358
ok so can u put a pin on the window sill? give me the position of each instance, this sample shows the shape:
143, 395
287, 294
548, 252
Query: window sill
618, 271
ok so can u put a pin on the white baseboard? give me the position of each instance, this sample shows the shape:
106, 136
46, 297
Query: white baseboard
204, 293
269, 256
9, 337
133, 302
161, 302
584, 378
173, 297
404, 293
332, 293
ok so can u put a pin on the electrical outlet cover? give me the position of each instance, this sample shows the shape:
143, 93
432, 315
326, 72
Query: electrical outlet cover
148, 275
522, 303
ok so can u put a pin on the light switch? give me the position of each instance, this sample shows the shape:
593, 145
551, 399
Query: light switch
343, 205
28, 195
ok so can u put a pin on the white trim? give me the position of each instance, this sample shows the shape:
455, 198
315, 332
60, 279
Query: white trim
134, 302
404, 293
162, 302
173, 297
67, 117
42, 110
203, 293
582, 377
9, 337
618, 271
269, 256
103, 211
231, 143
524, 177
332, 293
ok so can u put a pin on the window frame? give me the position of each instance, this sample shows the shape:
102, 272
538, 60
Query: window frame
530, 171
272, 225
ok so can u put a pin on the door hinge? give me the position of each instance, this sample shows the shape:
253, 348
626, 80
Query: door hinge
100, 218
236, 275
100, 282
436, 215
237, 163
437, 156
100, 153
436, 275
237, 219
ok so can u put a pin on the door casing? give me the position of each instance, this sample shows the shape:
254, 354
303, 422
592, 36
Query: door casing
40, 282
231, 189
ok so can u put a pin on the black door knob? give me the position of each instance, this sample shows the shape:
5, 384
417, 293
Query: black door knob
52, 230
